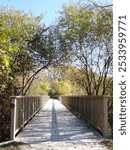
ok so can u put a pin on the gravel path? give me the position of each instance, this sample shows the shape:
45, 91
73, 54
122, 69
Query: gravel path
55, 128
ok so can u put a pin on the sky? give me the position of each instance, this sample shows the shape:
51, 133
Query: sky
49, 8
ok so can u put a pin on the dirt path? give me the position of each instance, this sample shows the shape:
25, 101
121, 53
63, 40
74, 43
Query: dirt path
55, 128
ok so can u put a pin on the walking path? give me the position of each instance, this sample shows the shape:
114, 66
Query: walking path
55, 128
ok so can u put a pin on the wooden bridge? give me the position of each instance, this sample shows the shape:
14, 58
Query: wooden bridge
45, 123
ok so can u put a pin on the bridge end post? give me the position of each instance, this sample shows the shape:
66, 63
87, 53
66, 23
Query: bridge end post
13, 118
105, 117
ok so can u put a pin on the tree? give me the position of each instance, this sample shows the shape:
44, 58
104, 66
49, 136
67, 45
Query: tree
15, 30
45, 49
89, 30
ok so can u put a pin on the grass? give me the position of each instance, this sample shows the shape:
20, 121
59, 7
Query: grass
11, 146
108, 143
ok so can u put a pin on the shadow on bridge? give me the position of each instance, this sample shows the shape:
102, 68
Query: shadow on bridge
54, 123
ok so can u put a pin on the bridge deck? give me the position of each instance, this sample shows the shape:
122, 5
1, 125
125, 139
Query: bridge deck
55, 128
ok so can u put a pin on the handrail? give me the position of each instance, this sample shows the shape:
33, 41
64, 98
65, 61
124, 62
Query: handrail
23, 108
93, 109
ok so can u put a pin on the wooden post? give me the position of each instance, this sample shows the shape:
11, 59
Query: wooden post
105, 117
92, 110
13, 119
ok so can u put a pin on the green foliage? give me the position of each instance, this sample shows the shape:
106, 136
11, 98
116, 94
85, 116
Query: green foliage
45, 86
54, 93
68, 73
38, 87
16, 28
44, 47
78, 19
63, 87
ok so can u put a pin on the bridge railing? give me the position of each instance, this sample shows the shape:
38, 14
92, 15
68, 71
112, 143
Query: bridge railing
93, 109
23, 108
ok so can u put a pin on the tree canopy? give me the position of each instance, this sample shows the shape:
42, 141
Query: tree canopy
89, 30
